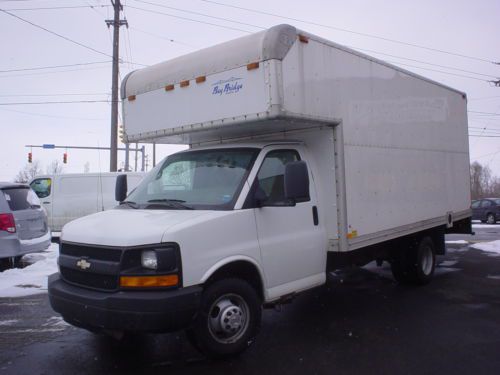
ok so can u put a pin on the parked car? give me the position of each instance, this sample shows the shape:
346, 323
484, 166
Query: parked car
487, 210
23, 222
67, 197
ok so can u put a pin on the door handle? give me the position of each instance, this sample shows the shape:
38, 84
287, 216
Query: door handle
315, 215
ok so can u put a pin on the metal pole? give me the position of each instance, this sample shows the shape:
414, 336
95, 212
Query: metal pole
135, 166
116, 23
113, 158
143, 150
154, 155
126, 157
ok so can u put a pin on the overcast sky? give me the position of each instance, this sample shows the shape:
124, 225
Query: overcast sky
172, 28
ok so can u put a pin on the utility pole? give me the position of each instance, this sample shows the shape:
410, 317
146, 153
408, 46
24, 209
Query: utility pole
116, 22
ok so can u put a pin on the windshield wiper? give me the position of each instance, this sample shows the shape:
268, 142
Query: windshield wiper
130, 204
172, 203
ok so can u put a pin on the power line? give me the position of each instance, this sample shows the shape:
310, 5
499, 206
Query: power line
435, 70
485, 113
201, 14
63, 94
188, 19
57, 102
485, 136
356, 48
50, 72
56, 34
54, 66
423, 62
352, 31
52, 116
160, 36
55, 8
60, 36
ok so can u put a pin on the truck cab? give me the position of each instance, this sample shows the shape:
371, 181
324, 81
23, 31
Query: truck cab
199, 217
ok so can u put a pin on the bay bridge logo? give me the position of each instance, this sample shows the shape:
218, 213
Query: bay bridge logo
227, 86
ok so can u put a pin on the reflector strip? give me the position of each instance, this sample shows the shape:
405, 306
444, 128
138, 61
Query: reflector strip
148, 281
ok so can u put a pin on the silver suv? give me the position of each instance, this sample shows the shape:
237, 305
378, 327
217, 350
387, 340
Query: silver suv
23, 222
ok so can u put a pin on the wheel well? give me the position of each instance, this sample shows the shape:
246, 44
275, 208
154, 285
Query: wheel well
241, 270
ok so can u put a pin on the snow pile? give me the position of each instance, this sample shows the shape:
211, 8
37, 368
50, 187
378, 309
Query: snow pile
19, 282
492, 247
489, 226
457, 242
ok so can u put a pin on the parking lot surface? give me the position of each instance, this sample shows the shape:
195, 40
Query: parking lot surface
361, 322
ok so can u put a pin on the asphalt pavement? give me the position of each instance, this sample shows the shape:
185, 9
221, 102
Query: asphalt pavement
361, 322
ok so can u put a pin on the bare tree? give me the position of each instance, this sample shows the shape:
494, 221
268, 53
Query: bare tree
55, 167
483, 184
29, 172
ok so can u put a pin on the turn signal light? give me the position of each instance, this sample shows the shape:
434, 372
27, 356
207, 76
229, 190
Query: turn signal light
148, 281
303, 38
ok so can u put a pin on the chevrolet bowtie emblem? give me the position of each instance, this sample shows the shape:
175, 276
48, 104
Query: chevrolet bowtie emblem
83, 264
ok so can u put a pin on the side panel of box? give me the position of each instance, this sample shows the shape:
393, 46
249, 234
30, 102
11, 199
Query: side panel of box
405, 138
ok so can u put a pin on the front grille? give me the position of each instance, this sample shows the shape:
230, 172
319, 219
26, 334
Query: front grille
102, 272
88, 279
99, 253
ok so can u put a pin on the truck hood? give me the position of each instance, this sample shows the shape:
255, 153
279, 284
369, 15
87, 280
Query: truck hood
123, 227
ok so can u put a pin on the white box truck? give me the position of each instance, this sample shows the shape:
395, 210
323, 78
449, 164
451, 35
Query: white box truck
305, 156
68, 196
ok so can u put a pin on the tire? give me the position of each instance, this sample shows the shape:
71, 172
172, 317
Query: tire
228, 320
416, 265
491, 219
425, 261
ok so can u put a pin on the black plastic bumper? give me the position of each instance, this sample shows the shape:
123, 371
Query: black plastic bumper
135, 311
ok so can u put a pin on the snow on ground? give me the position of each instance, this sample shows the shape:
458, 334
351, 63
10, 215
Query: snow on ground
457, 242
492, 247
489, 226
19, 282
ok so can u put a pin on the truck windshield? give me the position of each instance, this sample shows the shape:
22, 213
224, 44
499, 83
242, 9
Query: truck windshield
205, 179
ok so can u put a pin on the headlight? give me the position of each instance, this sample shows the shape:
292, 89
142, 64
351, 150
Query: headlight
149, 259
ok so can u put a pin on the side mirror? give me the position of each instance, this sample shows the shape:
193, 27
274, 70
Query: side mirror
121, 188
297, 181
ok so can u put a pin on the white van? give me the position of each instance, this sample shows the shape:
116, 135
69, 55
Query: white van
66, 197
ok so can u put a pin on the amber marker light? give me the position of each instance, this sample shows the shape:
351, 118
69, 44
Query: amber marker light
131, 98
184, 83
303, 38
148, 281
201, 79
169, 87
253, 65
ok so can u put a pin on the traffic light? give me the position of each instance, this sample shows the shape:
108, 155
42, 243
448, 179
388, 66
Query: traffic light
121, 134
30, 157
65, 158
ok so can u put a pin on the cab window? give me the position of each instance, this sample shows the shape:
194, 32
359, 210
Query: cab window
271, 176
42, 187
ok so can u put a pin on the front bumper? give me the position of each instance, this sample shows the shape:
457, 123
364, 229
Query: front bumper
134, 311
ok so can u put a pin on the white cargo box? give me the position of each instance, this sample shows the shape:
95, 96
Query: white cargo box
404, 137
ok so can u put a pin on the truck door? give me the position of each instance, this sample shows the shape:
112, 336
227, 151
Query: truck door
290, 237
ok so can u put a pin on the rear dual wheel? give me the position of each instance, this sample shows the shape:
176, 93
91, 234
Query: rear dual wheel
416, 264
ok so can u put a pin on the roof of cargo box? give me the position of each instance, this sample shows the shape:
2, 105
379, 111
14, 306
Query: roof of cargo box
272, 43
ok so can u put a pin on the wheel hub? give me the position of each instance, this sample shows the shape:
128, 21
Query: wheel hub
227, 320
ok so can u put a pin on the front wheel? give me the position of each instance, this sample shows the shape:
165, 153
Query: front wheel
228, 320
